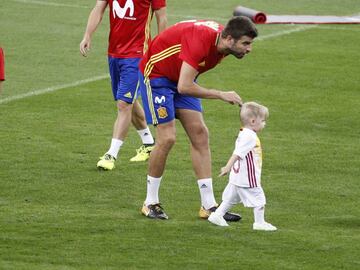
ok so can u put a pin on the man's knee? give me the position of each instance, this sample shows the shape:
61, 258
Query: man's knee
124, 106
167, 140
200, 136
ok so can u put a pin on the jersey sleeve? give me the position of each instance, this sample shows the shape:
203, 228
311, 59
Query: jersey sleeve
157, 4
2, 66
244, 143
193, 48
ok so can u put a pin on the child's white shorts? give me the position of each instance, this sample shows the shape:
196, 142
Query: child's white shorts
249, 197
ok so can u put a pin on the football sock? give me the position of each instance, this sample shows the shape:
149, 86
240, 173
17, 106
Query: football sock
153, 185
259, 213
206, 193
115, 147
146, 136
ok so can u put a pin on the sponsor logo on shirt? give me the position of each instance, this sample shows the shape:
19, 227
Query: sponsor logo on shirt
159, 100
120, 12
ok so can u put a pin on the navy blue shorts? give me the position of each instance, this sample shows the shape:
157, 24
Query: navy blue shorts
161, 99
124, 78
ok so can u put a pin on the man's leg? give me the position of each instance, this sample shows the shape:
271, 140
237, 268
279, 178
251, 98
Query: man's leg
154, 93
124, 80
165, 134
139, 122
123, 120
120, 130
195, 127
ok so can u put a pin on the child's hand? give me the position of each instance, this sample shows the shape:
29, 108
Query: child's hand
223, 171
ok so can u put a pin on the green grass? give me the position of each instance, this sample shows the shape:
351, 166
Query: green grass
58, 212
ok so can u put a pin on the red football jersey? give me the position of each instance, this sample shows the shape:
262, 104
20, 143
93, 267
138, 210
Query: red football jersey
2, 65
191, 41
130, 26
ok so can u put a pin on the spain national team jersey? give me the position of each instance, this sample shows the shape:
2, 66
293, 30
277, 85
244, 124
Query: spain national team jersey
194, 42
246, 171
130, 26
2, 65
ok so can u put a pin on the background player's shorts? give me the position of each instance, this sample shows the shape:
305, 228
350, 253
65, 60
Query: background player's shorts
161, 99
249, 197
124, 78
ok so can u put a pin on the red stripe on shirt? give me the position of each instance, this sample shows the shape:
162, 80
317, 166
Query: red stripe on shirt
253, 169
249, 171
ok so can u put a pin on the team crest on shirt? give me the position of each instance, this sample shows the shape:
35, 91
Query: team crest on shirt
120, 12
162, 112
202, 64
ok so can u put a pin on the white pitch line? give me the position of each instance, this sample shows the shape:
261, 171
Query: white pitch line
339, 28
286, 32
52, 89
48, 3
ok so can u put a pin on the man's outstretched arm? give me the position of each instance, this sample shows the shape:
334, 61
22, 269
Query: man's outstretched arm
187, 86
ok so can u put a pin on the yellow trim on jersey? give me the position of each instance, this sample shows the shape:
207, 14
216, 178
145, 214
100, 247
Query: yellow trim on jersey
160, 56
164, 51
147, 31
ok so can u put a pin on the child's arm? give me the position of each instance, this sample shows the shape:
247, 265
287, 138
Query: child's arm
225, 170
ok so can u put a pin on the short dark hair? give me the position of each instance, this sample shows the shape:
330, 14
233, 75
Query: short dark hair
239, 26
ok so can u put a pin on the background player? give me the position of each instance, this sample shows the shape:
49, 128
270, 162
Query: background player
167, 80
128, 39
245, 169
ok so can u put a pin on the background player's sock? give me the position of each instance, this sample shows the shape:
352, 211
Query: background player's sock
115, 147
146, 136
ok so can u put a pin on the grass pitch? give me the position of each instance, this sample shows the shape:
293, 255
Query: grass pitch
58, 212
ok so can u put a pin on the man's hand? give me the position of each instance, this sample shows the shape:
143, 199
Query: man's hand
85, 46
231, 97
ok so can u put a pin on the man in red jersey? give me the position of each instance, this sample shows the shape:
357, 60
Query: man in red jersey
168, 73
2, 68
128, 40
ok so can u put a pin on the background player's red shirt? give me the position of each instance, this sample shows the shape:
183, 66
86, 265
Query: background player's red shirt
2, 65
191, 41
130, 26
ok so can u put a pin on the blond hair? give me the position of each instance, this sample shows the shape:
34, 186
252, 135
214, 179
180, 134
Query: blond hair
251, 110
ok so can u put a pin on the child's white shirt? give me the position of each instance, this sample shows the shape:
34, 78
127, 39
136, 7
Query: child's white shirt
246, 171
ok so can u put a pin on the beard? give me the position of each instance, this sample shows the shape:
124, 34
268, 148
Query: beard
232, 50
237, 54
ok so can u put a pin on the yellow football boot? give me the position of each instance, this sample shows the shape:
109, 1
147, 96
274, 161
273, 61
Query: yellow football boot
143, 153
106, 162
